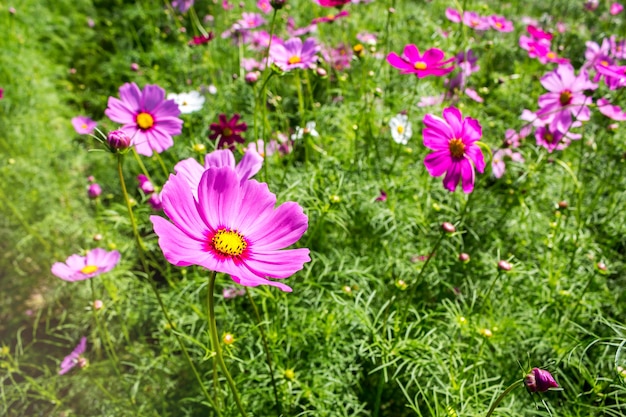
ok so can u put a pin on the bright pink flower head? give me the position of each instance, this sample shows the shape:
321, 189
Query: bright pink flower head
330, 18
618, 48
250, 20
475, 21
453, 15
566, 97
201, 39
498, 164
500, 23
145, 184
228, 131
614, 75
147, 117
74, 358
538, 34
83, 125
264, 5
294, 54
616, 8
553, 139
453, 139
539, 380
412, 62
611, 111
79, 268
232, 227
191, 170
94, 190
332, 3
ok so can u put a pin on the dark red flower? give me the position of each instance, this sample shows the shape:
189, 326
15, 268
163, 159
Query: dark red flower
228, 131
202, 39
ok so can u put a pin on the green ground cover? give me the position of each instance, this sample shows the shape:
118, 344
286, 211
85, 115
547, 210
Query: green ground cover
385, 320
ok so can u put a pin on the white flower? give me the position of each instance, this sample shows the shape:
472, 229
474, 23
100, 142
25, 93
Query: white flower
401, 130
309, 129
188, 102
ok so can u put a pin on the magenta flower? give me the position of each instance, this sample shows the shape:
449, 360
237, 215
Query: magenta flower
228, 131
232, 228
294, 54
475, 21
539, 380
264, 5
182, 5
618, 48
191, 170
250, 21
552, 139
155, 201
412, 62
500, 23
616, 8
83, 125
145, 184
330, 18
453, 15
147, 117
201, 39
566, 100
498, 164
611, 111
94, 191
382, 196
614, 75
453, 139
75, 358
79, 268
333, 3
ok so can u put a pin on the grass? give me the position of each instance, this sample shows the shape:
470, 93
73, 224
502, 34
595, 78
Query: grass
385, 320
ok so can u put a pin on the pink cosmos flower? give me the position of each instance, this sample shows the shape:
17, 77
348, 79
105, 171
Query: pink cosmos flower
614, 75
338, 58
597, 54
611, 111
191, 170
453, 15
233, 292
182, 5
566, 100
232, 228
475, 21
83, 125
332, 3
330, 18
293, 31
294, 54
75, 358
453, 139
500, 23
382, 196
412, 62
78, 268
264, 5
228, 131
552, 139
145, 184
147, 117
538, 34
201, 39
616, 8
94, 191
155, 202
498, 165
618, 48
250, 20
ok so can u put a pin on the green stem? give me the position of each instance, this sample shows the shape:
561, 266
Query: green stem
216, 343
488, 293
163, 167
141, 248
504, 394
305, 137
267, 351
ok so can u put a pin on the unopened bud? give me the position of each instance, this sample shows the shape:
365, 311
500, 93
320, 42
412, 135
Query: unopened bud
504, 265
252, 77
448, 227
464, 257
539, 380
98, 304
228, 339
94, 191
278, 4
563, 205
118, 140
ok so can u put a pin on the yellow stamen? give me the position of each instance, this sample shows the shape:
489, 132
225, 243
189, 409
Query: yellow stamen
228, 132
548, 137
457, 148
229, 242
89, 269
400, 129
420, 65
565, 97
294, 60
145, 120
551, 55
499, 25
84, 125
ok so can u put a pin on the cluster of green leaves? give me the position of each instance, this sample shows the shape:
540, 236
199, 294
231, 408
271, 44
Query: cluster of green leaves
385, 320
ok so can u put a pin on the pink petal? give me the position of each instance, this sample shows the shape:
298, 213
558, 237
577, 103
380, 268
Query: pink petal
180, 207
285, 227
218, 196
438, 162
453, 176
467, 173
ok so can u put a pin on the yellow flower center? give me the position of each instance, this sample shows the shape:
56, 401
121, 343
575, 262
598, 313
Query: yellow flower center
84, 125
604, 63
229, 242
548, 137
565, 98
330, 17
420, 65
89, 269
358, 48
551, 55
400, 129
227, 132
499, 25
294, 60
457, 148
145, 120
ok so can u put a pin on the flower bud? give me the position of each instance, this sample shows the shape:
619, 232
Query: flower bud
464, 257
252, 77
134, 66
448, 227
504, 265
591, 5
145, 184
601, 266
228, 339
118, 140
539, 380
289, 374
278, 4
98, 304
563, 205
94, 191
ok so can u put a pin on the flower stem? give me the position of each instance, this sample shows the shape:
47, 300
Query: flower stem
141, 248
267, 351
216, 343
501, 397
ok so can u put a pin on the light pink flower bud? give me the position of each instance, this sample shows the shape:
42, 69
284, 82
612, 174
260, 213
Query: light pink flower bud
94, 191
448, 227
118, 140
504, 265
